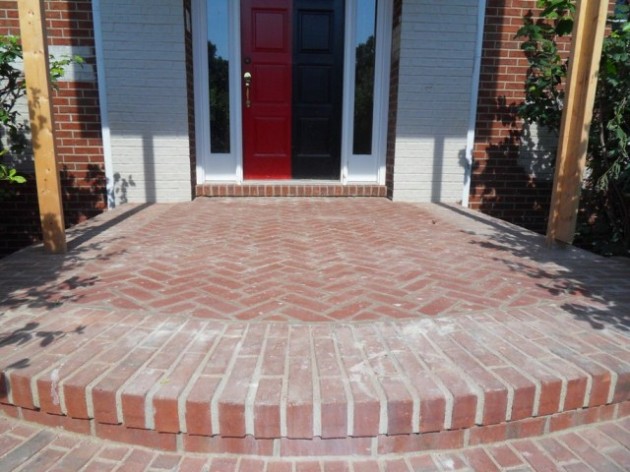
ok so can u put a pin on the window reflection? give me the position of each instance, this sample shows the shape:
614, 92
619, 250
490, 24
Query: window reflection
365, 41
218, 64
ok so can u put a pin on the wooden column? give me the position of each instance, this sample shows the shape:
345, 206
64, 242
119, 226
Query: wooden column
586, 50
38, 89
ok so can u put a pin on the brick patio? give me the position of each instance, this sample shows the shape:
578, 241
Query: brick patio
312, 327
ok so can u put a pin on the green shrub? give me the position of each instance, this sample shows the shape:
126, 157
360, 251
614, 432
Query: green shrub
604, 220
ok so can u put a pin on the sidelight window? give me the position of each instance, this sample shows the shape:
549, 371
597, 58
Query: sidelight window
365, 47
219, 83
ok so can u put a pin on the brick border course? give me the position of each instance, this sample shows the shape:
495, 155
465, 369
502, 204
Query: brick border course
276, 189
378, 446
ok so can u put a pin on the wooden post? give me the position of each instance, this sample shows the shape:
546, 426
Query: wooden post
586, 50
38, 89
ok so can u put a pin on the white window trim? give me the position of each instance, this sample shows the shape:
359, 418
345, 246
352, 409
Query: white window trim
367, 167
225, 166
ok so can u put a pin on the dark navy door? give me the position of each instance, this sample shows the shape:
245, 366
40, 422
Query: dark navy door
317, 88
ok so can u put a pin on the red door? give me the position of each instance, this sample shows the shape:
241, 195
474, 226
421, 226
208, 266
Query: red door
266, 36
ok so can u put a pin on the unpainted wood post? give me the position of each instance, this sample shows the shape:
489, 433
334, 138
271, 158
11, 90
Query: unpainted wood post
39, 93
586, 50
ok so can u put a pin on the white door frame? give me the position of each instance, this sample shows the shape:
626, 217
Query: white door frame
229, 167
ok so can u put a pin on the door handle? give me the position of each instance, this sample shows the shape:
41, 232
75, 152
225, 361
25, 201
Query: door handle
247, 77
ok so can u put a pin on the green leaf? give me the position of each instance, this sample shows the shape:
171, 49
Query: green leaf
564, 27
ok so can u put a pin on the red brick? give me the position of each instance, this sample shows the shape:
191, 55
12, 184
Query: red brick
556, 450
504, 456
526, 428
192, 464
133, 398
487, 434
251, 465
432, 399
309, 466
76, 458
277, 466
232, 400
198, 405
300, 398
399, 407
20, 381
57, 421
104, 392
166, 398
420, 442
267, 408
326, 447
221, 445
334, 408
423, 463
479, 460
622, 387
524, 392
139, 437
336, 466
74, 389
495, 393
535, 456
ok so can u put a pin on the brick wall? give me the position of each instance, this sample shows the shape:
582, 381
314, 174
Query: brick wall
513, 163
500, 186
78, 127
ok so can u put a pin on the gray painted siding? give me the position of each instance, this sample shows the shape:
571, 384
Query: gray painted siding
143, 49
436, 66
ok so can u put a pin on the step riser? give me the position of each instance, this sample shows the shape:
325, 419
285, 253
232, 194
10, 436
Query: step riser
350, 446
290, 190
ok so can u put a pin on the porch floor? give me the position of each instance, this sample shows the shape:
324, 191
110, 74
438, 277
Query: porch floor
312, 327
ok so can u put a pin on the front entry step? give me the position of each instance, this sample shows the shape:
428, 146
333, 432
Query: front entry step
299, 389
284, 189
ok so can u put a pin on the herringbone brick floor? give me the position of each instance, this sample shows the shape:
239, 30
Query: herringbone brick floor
298, 260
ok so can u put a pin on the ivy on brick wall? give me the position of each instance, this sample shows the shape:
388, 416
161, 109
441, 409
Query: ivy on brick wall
11, 89
604, 221
13, 129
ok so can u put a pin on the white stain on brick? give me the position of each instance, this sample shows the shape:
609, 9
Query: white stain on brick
54, 386
365, 370
317, 394
429, 327
203, 336
253, 388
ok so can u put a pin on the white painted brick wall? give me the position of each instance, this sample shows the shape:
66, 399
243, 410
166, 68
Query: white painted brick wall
75, 72
436, 65
143, 42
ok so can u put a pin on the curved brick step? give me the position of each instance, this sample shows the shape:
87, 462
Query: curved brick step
312, 389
